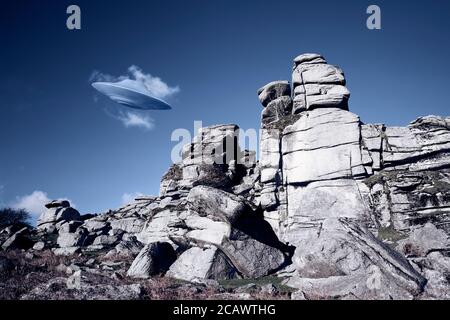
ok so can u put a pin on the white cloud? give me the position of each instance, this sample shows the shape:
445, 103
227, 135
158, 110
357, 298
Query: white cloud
34, 203
100, 76
133, 119
129, 197
155, 85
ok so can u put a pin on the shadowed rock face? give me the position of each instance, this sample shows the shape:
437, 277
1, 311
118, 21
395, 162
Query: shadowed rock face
154, 258
337, 208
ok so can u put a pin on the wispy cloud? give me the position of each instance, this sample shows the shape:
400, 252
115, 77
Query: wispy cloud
34, 203
138, 119
155, 85
129, 197
133, 119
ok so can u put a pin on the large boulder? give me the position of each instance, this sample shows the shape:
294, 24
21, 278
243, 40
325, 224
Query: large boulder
212, 149
341, 251
273, 90
225, 206
423, 240
73, 239
154, 258
317, 84
18, 240
249, 244
57, 211
163, 227
202, 263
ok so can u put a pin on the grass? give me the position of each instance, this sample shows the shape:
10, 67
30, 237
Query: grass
380, 178
390, 234
282, 123
230, 284
174, 173
439, 186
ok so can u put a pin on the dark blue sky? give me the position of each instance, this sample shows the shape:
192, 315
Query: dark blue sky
56, 138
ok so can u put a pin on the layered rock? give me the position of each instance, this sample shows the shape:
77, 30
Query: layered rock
276, 100
233, 238
317, 84
58, 211
321, 160
206, 159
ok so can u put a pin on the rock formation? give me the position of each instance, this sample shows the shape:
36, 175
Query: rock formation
333, 207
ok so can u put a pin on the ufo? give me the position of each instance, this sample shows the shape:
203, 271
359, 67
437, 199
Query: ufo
132, 94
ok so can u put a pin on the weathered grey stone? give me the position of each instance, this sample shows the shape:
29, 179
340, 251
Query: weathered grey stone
66, 251
153, 259
38, 246
323, 144
128, 247
56, 214
19, 240
273, 90
203, 263
105, 240
75, 239
57, 204
216, 203
161, 227
276, 110
253, 258
205, 230
95, 225
130, 225
317, 73
338, 249
307, 58
423, 240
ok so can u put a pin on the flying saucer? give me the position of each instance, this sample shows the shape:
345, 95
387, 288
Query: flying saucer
132, 94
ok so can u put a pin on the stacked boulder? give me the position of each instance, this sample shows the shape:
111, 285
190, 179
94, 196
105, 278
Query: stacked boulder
58, 212
317, 84
226, 239
276, 100
214, 229
207, 158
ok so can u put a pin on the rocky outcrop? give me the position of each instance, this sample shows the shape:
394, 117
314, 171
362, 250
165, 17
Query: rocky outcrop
329, 180
58, 211
337, 208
